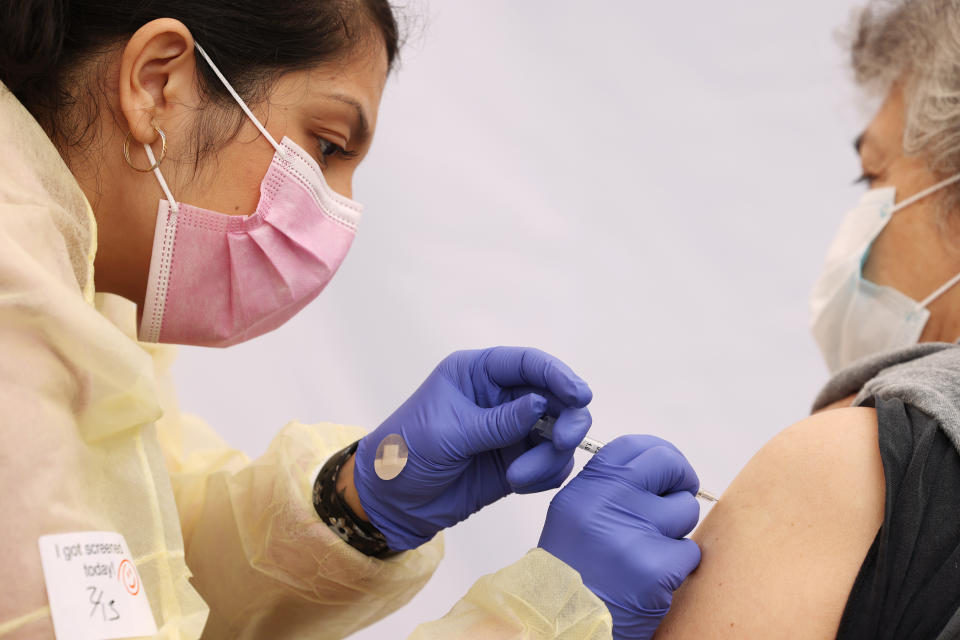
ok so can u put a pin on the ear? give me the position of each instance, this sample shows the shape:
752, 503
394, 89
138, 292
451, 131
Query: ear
157, 76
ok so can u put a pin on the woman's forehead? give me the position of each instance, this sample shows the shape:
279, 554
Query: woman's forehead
886, 128
357, 81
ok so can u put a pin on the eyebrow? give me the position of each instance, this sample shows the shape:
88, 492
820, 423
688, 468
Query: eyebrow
364, 132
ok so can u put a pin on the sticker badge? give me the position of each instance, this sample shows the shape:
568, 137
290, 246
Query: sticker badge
94, 588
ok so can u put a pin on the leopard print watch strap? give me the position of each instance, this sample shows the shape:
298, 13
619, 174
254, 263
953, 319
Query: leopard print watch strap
333, 509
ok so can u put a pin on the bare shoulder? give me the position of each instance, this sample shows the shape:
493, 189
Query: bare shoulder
782, 548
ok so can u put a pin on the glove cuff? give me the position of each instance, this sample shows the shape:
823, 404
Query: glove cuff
630, 623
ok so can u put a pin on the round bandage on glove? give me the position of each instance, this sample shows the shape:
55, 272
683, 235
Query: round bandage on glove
621, 523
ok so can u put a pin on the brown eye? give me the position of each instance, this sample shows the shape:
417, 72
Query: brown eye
328, 149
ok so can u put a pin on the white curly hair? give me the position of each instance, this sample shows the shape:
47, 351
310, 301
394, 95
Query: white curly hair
916, 43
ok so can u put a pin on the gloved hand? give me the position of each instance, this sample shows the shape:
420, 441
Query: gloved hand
618, 523
468, 430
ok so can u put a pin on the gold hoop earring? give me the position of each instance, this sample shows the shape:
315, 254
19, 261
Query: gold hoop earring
163, 151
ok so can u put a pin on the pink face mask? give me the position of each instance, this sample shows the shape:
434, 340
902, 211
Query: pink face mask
216, 280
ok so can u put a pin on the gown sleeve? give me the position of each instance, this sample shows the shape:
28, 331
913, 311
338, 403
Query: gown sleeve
261, 558
537, 597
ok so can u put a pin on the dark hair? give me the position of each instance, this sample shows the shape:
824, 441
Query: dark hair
252, 42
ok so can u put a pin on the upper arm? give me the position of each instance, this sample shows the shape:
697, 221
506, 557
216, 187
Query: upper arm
783, 547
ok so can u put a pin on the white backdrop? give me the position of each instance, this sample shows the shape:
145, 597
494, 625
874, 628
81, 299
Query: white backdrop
645, 189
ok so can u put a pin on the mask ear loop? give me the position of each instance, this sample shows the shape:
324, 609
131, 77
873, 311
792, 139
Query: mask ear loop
911, 200
236, 96
939, 292
926, 192
163, 183
243, 105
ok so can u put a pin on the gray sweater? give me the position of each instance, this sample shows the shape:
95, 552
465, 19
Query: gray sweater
926, 376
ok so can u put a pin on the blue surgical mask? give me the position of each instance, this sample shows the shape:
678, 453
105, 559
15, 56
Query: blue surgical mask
853, 318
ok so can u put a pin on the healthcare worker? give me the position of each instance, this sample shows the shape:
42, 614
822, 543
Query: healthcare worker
179, 171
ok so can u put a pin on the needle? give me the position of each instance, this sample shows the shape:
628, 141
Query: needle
590, 445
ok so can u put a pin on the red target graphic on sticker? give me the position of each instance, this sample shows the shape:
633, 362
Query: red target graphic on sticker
129, 578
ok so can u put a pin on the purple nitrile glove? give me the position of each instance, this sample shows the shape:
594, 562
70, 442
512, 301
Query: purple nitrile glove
620, 522
468, 431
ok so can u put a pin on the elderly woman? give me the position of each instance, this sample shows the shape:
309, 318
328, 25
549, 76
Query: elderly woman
846, 524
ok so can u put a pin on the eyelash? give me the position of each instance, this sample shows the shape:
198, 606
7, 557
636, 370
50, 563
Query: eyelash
329, 149
866, 179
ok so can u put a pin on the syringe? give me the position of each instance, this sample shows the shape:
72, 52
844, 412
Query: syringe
545, 428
